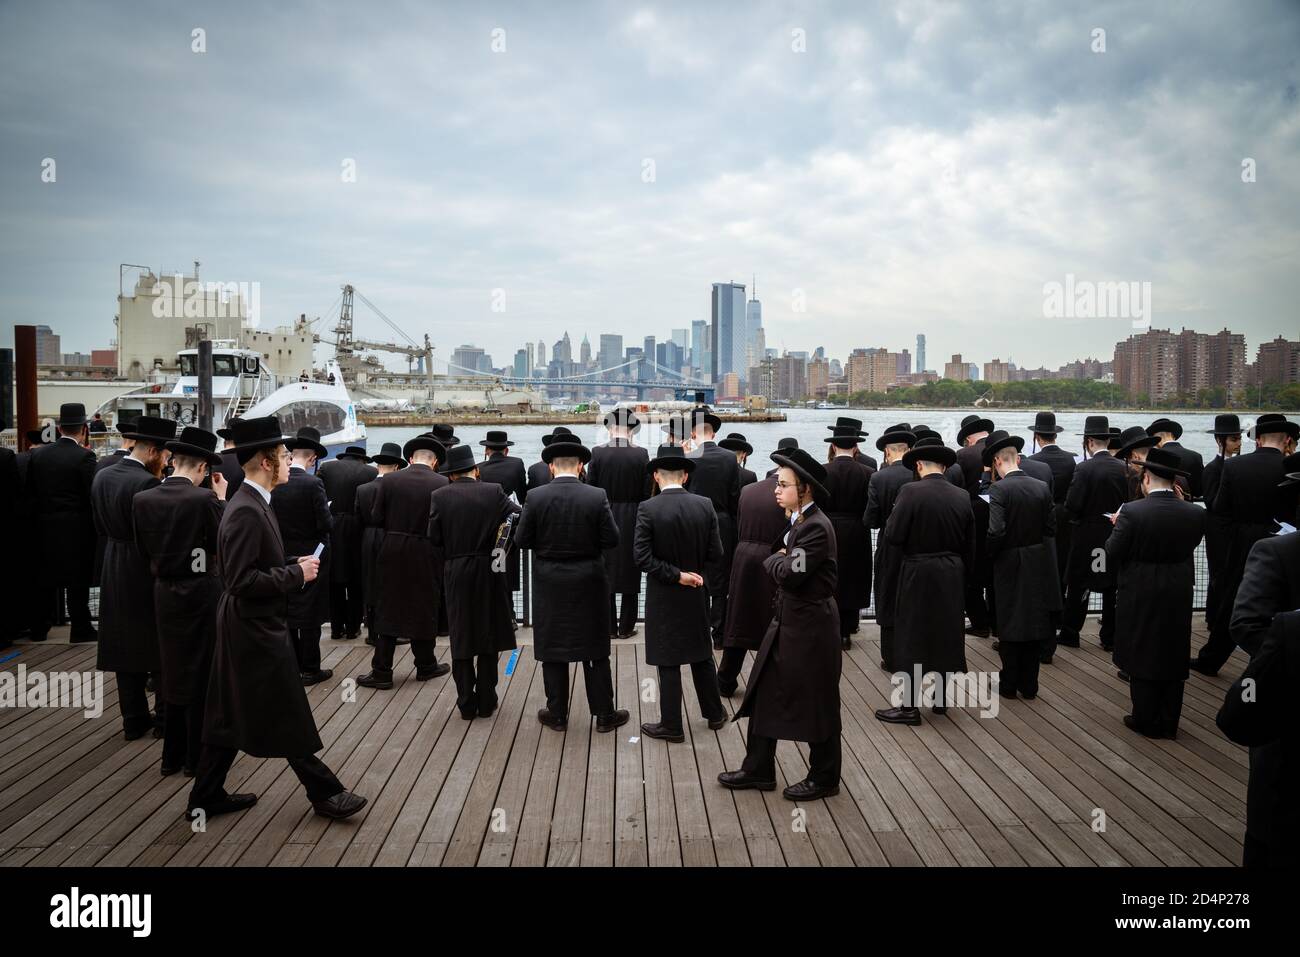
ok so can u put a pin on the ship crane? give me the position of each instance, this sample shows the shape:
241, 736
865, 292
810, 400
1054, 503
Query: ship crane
345, 346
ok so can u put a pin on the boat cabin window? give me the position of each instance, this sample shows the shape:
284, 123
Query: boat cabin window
322, 416
189, 365
222, 365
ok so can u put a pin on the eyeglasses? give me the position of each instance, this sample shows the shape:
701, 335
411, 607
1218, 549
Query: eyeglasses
780, 484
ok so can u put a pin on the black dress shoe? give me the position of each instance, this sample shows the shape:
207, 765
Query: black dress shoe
189, 772
80, 635
469, 715
628, 634
347, 636
1064, 642
744, 781
727, 691
806, 790
1196, 665
169, 769
369, 680
608, 722
717, 724
310, 678
899, 715
228, 804
1003, 692
437, 671
1029, 697
1046, 661
344, 804
846, 642
487, 712
556, 722
1132, 725
134, 735
977, 632
996, 646
1105, 647
662, 732
1122, 675
40, 636
940, 709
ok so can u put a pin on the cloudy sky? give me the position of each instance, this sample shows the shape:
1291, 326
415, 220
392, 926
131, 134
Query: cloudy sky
895, 167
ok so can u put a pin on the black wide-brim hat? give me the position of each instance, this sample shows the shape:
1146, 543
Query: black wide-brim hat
789, 442
735, 442
197, 442
1045, 424
1164, 463
806, 467
1096, 427
845, 438
1229, 423
35, 437
250, 435
1166, 425
308, 438
149, 428
72, 413
623, 418
424, 443
843, 423
558, 433
996, 442
930, 450
566, 450
972, 424
445, 435
1273, 422
1135, 437
895, 434
354, 452
390, 454
460, 458
676, 426
924, 432
707, 416
671, 458
496, 439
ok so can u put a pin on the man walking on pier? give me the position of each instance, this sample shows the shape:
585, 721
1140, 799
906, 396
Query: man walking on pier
717, 478
388, 460
848, 481
619, 468
882, 491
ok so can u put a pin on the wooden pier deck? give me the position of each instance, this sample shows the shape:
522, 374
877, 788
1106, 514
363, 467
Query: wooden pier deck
1023, 788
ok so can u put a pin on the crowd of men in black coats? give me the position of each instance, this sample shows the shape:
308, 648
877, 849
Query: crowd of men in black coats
218, 570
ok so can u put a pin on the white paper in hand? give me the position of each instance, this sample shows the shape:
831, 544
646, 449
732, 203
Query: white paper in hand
986, 497
319, 548
1284, 528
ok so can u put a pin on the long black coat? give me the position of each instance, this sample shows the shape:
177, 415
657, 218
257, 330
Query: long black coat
256, 702
410, 574
848, 481
1100, 485
463, 521
882, 492
759, 526
746, 478
1266, 722
970, 460
676, 531
1270, 585
1248, 499
303, 512
1022, 524
101, 543
342, 478
568, 526
12, 521
128, 635
508, 472
232, 472
717, 478
1191, 463
1217, 534
1152, 548
933, 529
794, 686
372, 536
621, 471
1062, 465
176, 527
57, 495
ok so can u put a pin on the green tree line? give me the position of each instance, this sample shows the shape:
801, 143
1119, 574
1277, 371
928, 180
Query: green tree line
1071, 393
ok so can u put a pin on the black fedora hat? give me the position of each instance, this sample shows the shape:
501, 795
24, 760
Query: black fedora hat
197, 442
920, 432
1226, 423
445, 435
1096, 427
706, 416
1164, 424
996, 442
72, 413
559, 432
1274, 422
1164, 463
789, 442
895, 434
972, 424
676, 426
149, 428
250, 435
354, 452
844, 422
36, 437
390, 454
1045, 424
424, 443
930, 450
460, 458
1135, 437
1114, 443
568, 448
671, 458
1291, 471
845, 438
806, 467
735, 442
622, 418
228, 433
308, 438
496, 439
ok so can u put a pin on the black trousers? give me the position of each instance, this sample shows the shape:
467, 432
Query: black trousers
1075, 610
705, 677
733, 659
1157, 705
622, 624
887, 646
595, 675
49, 600
1219, 647
979, 606
848, 620
422, 649
346, 605
824, 759
215, 762
1020, 661
476, 684
306, 643
133, 702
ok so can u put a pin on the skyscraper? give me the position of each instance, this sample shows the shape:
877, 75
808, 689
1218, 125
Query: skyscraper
521, 362
611, 352
700, 345
584, 352
920, 352
728, 345
754, 338
541, 355
529, 349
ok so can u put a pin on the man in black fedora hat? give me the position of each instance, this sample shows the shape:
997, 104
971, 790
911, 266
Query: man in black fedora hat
343, 477
539, 473
128, 631
783, 445
980, 607
445, 434
411, 593
794, 687
677, 430
1098, 489
1022, 530
619, 467
464, 519
1134, 443
302, 509
568, 526
1152, 548
176, 525
848, 480
57, 497
508, 471
388, 460
736, 444
717, 478
1045, 432
882, 492
229, 468
124, 425
675, 539
1227, 438
932, 530
845, 426
256, 700
1167, 432
1249, 500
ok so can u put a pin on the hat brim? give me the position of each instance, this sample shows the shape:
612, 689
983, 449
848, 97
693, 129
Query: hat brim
382, 459
495, 445
633, 424
895, 438
735, 445
424, 443
844, 441
564, 450
1164, 471
1011, 441
184, 448
270, 442
979, 425
1224, 432
1271, 428
939, 454
353, 455
298, 443
1056, 430
456, 470
671, 463
1176, 431
819, 490
1148, 442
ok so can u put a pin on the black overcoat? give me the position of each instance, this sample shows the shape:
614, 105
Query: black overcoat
620, 469
1217, 534
231, 471
1193, 464
1100, 485
1022, 523
1062, 465
746, 478
508, 471
847, 482
410, 574
1270, 585
303, 512
57, 495
1249, 500
372, 536
882, 492
128, 635
717, 478
759, 526
342, 478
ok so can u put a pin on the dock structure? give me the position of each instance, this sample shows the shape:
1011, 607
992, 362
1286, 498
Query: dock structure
1050, 782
